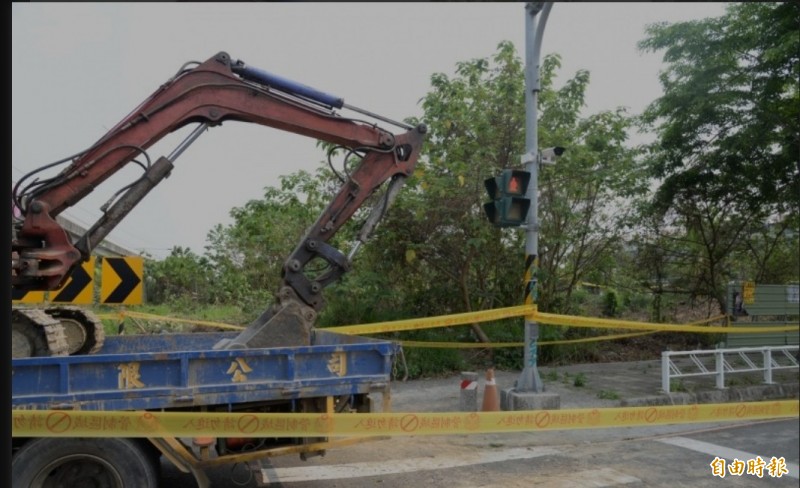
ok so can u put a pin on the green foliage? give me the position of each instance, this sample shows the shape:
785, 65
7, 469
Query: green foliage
476, 128
610, 304
361, 297
510, 330
435, 254
422, 362
678, 386
769, 253
608, 395
428, 362
181, 275
726, 157
637, 302
436, 243
552, 353
580, 380
583, 197
730, 114
247, 255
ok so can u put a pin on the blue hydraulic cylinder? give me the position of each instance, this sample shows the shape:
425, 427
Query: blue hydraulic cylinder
287, 85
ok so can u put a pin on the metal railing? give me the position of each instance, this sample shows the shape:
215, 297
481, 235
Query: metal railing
719, 362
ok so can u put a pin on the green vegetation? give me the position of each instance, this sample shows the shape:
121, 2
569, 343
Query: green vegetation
551, 375
608, 395
678, 386
728, 201
725, 204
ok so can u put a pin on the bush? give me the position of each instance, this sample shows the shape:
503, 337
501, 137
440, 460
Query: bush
426, 362
610, 304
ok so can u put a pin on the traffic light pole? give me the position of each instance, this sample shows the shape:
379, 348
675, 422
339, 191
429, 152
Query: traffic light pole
529, 380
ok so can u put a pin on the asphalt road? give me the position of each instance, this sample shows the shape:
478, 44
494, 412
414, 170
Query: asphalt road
668, 456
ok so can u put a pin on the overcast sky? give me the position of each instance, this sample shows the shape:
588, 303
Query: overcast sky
78, 68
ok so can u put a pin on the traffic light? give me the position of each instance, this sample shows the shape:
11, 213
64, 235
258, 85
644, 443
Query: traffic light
509, 206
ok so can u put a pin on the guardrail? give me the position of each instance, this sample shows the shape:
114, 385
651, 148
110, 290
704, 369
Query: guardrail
719, 362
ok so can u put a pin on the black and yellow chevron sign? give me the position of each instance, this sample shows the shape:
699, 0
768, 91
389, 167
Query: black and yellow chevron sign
121, 280
79, 288
18, 296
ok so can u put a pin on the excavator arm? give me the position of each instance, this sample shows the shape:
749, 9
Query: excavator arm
215, 91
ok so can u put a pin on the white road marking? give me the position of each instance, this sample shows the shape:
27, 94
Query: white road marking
726, 453
398, 466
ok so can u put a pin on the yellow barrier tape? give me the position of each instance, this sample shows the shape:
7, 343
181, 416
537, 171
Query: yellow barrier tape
498, 314
147, 316
484, 345
434, 322
546, 318
710, 319
481, 345
459, 345
61, 423
574, 321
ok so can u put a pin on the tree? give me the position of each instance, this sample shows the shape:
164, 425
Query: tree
585, 197
247, 255
769, 251
728, 151
435, 253
441, 254
181, 275
729, 119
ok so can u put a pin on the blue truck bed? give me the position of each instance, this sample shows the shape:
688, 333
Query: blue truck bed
182, 371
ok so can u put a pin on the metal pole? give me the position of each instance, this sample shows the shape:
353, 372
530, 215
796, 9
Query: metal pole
530, 380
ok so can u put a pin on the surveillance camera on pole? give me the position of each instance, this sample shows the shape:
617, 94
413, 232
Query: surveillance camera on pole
549, 155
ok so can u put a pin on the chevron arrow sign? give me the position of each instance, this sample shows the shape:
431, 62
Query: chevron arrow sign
18, 296
121, 280
79, 287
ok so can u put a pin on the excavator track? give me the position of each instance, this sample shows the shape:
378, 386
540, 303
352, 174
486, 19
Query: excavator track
34, 333
57, 331
83, 330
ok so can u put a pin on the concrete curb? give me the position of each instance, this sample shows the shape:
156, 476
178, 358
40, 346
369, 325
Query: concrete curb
732, 394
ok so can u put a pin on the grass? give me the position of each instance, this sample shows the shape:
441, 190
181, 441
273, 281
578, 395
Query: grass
677, 386
608, 395
743, 380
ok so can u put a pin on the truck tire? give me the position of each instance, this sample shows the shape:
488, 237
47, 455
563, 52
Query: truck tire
73, 462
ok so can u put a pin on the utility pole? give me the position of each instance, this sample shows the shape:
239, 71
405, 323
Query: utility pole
535, 19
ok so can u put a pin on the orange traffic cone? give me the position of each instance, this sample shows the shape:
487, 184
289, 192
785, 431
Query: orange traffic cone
491, 400
204, 443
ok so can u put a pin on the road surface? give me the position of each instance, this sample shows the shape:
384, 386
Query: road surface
668, 456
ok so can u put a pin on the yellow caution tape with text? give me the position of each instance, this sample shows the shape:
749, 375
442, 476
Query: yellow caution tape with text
528, 311
146, 316
574, 321
61, 423
532, 313
435, 322
489, 345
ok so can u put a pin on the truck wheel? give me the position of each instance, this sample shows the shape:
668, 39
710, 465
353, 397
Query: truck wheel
83, 462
